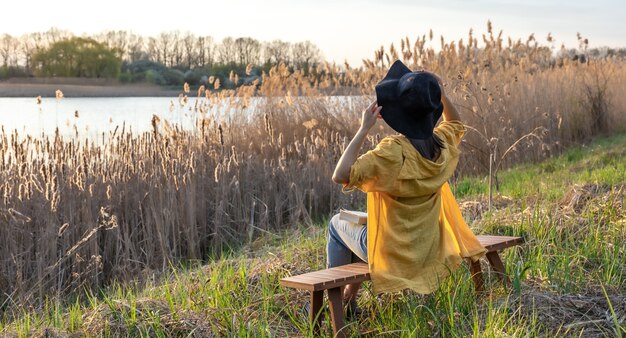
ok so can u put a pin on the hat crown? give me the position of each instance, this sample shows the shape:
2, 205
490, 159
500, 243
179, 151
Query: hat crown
419, 90
411, 101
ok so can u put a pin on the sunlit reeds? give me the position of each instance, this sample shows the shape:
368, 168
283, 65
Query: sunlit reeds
77, 213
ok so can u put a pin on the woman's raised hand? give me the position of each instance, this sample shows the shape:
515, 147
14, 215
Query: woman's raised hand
370, 115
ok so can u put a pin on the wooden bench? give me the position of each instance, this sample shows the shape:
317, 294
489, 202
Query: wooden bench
334, 278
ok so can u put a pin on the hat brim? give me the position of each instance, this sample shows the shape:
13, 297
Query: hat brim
396, 71
387, 88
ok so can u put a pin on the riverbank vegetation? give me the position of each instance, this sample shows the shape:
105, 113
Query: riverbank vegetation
567, 279
76, 217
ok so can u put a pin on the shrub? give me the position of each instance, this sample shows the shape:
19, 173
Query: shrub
152, 76
173, 77
196, 76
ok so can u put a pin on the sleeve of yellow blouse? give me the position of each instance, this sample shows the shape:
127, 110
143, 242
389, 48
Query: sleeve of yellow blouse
360, 172
451, 131
371, 166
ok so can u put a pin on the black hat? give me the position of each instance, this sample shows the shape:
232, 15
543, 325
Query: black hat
411, 101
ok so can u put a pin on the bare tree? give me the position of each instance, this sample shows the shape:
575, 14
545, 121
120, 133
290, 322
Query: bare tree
227, 52
54, 35
177, 50
9, 48
153, 50
115, 40
276, 52
5, 51
136, 48
248, 50
27, 49
38, 40
205, 51
189, 49
163, 46
32, 44
305, 54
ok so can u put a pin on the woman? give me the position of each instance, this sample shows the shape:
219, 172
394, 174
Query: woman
415, 233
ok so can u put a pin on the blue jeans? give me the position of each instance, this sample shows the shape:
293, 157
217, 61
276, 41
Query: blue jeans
347, 242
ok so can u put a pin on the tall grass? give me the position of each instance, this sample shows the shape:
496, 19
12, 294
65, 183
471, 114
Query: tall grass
567, 279
76, 216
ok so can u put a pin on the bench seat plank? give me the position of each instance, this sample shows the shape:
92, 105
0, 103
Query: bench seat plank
355, 268
329, 278
497, 243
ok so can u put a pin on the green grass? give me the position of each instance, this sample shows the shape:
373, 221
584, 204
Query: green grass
602, 162
567, 280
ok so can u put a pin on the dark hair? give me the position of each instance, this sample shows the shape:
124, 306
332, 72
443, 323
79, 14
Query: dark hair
429, 148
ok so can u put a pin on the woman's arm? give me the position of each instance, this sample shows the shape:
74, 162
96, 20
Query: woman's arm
449, 110
349, 156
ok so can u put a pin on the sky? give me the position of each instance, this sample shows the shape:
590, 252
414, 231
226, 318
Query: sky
344, 30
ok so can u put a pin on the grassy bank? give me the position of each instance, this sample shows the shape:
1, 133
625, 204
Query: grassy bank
569, 279
77, 215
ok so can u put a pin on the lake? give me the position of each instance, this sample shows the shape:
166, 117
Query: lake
94, 116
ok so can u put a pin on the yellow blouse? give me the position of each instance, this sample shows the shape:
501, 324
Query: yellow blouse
416, 234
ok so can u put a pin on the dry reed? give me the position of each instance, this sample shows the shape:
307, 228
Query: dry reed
75, 215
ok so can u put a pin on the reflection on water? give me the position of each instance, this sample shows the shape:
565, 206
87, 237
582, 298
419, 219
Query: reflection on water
89, 117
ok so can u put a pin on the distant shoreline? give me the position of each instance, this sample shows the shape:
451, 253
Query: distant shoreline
81, 88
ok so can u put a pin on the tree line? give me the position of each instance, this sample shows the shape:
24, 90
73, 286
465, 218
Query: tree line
168, 58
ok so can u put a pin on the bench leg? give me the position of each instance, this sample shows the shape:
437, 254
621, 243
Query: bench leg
317, 298
336, 311
477, 275
497, 265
